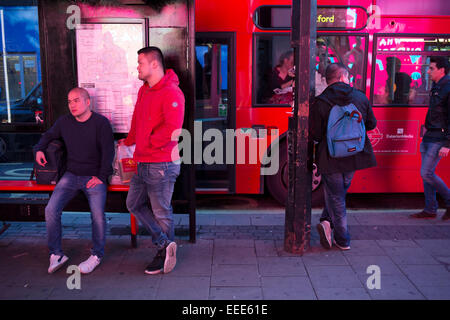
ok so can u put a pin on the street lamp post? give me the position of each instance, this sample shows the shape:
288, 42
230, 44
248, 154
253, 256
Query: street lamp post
298, 207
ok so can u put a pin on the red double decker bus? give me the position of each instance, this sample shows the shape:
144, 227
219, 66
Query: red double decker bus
387, 47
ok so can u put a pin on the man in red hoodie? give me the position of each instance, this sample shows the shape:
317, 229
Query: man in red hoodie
157, 118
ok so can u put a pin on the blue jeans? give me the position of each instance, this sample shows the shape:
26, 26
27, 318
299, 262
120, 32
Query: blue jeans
150, 196
65, 190
431, 182
335, 189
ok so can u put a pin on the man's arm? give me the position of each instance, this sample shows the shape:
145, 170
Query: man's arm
53, 133
173, 116
315, 123
107, 151
371, 121
445, 150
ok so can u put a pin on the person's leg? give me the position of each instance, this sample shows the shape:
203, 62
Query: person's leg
97, 198
138, 204
335, 190
432, 182
64, 191
160, 190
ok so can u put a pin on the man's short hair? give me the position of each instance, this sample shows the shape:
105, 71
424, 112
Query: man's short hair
334, 72
154, 53
83, 92
441, 62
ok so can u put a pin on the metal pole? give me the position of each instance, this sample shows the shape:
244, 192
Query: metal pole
8, 105
298, 207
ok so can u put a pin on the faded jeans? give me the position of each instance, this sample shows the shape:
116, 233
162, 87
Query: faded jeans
150, 196
66, 189
431, 182
335, 189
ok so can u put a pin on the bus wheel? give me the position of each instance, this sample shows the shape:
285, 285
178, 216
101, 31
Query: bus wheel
277, 184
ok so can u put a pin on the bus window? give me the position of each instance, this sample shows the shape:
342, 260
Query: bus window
274, 58
401, 66
20, 73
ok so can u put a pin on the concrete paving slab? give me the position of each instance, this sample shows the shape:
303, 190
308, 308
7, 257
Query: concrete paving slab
435, 247
342, 294
395, 287
235, 293
236, 255
183, 288
364, 248
397, 243
266, 248
234, 243
268, 220
333, 277
408, 256
385, 263
322, 257
281, 266
287, 288
232, 220
427, 275
436, 293
235, 276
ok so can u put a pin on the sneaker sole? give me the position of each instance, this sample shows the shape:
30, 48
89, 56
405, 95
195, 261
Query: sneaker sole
58, 266
171, 257
154, 272
341, 248
323, 238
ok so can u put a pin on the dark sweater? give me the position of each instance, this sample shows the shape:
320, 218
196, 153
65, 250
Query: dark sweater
89, 144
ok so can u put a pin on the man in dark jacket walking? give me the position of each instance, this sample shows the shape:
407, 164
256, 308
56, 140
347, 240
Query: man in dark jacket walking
436, 141
337, 173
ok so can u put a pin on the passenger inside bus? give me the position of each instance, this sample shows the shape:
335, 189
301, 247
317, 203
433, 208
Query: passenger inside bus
281, 80
398, 83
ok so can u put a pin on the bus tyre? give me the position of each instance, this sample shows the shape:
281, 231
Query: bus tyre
277, 184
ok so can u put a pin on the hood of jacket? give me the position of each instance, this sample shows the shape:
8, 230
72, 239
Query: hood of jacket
338, 93
170, 78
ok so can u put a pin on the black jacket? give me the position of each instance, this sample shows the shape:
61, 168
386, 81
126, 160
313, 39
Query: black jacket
437, 121
340, 94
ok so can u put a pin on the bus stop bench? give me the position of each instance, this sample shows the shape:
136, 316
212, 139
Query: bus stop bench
29, 186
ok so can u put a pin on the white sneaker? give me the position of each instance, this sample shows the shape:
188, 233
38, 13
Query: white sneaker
56, 262
324, 230
171, 257
89, 265
343, 248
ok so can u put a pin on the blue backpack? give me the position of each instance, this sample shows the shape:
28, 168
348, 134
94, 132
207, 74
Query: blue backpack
346, 132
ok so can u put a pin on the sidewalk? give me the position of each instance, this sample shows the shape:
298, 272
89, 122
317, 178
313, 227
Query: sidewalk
238, 255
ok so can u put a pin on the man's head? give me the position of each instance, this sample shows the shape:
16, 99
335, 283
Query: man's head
439, 67
150, 63
79, 103
336, 72
286, 60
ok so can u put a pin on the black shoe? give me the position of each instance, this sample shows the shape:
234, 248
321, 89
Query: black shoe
423, 215
157, 265
446, 215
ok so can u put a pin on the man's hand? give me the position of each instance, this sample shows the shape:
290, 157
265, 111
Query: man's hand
93, 182
40, 158
443, 152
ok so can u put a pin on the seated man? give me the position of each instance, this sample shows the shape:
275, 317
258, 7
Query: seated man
89, 142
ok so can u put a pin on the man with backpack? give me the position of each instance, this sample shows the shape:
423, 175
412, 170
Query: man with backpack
89, 143
338, 157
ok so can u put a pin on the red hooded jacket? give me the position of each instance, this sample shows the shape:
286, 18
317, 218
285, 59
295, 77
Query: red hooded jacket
158, 112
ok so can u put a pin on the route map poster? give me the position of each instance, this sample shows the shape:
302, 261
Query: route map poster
106, 65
